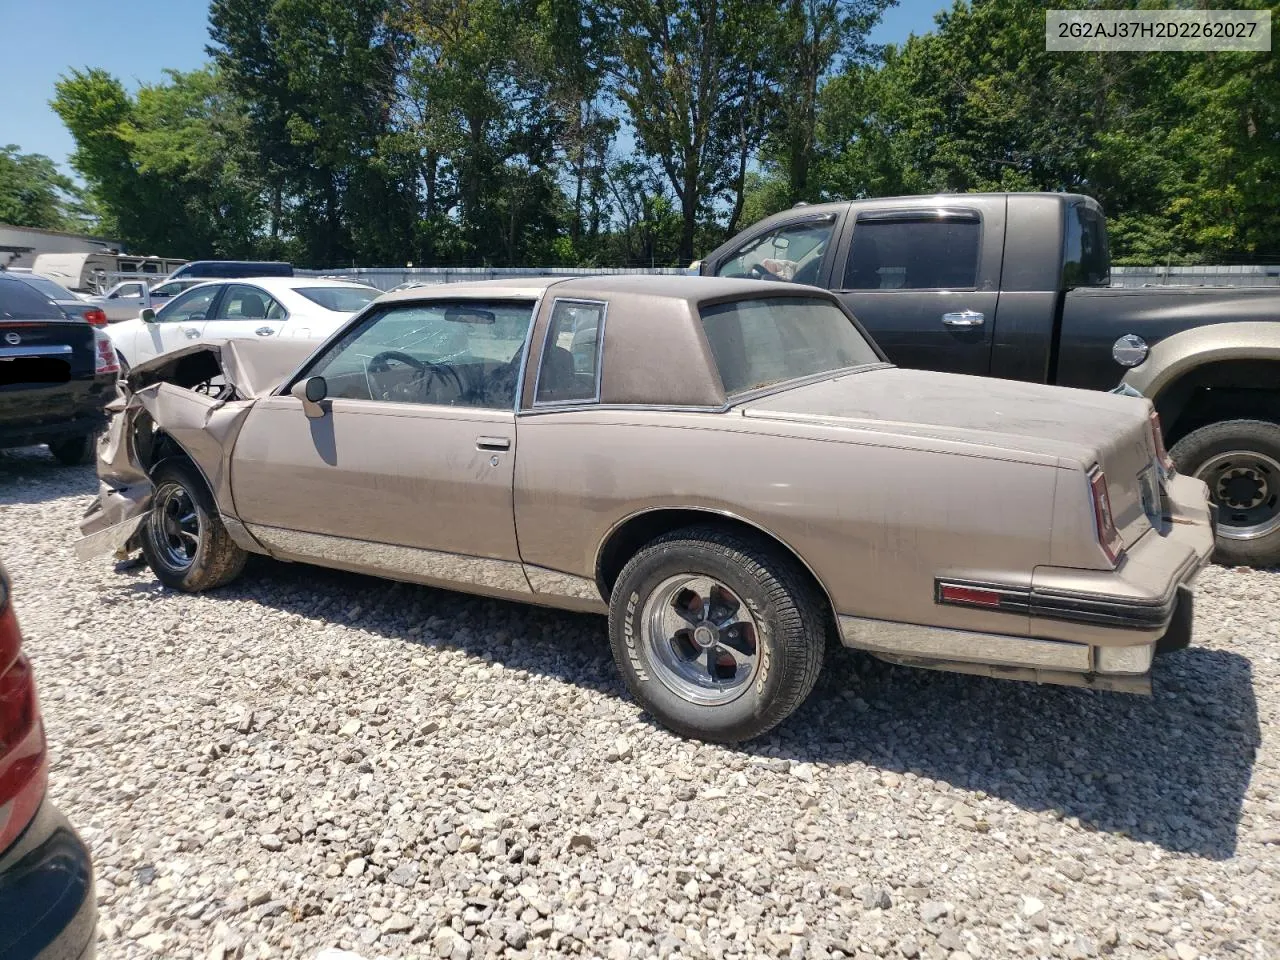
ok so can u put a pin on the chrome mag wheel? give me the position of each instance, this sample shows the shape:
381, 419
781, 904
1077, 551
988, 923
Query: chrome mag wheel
702, 639
1246, 487
174, 526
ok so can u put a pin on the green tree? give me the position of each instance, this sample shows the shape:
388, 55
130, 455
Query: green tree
34, 194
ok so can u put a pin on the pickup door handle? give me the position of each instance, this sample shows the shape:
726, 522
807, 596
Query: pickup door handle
264, 331
191, 332
963, 318
493, 443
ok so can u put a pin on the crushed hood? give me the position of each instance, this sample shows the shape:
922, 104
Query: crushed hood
252, 367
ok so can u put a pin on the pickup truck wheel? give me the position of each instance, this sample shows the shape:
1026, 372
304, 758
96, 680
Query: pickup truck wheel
75, 451
1239, 460
183, 540
718, 636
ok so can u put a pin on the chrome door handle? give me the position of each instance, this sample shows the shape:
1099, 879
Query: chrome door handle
493, 443
191, 332
963, 318
264, 331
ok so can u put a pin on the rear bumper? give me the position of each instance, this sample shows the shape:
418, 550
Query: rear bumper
44, 413
1088, 627
47, 905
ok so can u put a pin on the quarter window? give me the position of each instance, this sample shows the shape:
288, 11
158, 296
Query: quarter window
792, 252
570, 367
458, 353
924, 254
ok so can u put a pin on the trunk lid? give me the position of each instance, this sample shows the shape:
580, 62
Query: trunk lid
997, 418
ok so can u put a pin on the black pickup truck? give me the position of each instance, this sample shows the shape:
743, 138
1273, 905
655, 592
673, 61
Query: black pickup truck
1017, 285
57, 373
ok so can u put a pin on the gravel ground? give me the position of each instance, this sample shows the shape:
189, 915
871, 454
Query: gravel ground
309, 759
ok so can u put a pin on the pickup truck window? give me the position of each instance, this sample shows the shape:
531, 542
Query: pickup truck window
793, 252
929, 253
756, 343
1086, 261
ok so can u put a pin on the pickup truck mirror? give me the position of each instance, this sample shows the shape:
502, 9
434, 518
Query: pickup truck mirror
148, 315
311, 391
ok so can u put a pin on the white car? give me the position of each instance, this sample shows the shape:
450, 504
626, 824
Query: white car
305, 307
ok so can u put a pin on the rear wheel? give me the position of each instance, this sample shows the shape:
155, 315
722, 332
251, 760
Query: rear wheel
75, 451
1239, 460
183, 540
719, 636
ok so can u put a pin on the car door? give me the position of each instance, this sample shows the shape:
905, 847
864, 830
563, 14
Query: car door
177, 323
409, 471
924, 280
243, 311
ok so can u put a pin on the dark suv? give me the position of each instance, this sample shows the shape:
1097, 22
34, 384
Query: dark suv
57, 373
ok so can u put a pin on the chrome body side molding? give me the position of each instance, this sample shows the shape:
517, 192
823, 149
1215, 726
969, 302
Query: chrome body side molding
391, 560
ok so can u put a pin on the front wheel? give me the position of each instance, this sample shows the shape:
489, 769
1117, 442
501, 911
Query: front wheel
183, 540
719, 636
1239, 460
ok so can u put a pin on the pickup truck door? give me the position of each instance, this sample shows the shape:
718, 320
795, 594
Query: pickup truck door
924, 280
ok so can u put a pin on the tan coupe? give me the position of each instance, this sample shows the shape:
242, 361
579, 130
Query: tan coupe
728, 468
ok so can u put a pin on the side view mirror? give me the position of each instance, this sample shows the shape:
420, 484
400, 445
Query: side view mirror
148, 315
311, 391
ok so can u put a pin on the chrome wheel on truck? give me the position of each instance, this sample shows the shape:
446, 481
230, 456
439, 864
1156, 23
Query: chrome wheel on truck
1239, 461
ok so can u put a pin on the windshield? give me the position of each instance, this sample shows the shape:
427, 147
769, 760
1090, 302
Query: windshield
761, 342
339, 299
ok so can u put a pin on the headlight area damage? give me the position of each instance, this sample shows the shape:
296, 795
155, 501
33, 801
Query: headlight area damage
189, 403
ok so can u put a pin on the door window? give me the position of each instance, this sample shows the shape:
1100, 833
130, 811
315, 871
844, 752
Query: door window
190, 306
791, 252
570, 368
463, 353
131, 291
243, 302
931, 253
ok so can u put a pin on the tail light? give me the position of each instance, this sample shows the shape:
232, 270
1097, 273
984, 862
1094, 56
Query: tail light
104, 361
1157, 435
24, 764
1104, 519
95, 317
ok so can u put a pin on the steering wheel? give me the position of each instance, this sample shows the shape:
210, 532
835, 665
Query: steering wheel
427, 372
757, 272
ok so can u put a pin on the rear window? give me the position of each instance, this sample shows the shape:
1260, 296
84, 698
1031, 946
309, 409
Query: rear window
1086, 261
757, 343
340, 299
50, 289
20, 302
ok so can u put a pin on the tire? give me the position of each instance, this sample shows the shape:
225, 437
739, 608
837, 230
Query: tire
183, 539
1240, 461
716, 684
75, 451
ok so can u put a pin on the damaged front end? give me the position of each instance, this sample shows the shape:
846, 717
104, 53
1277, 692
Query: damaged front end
189, 403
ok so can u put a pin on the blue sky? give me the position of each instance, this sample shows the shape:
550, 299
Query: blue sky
47, 38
